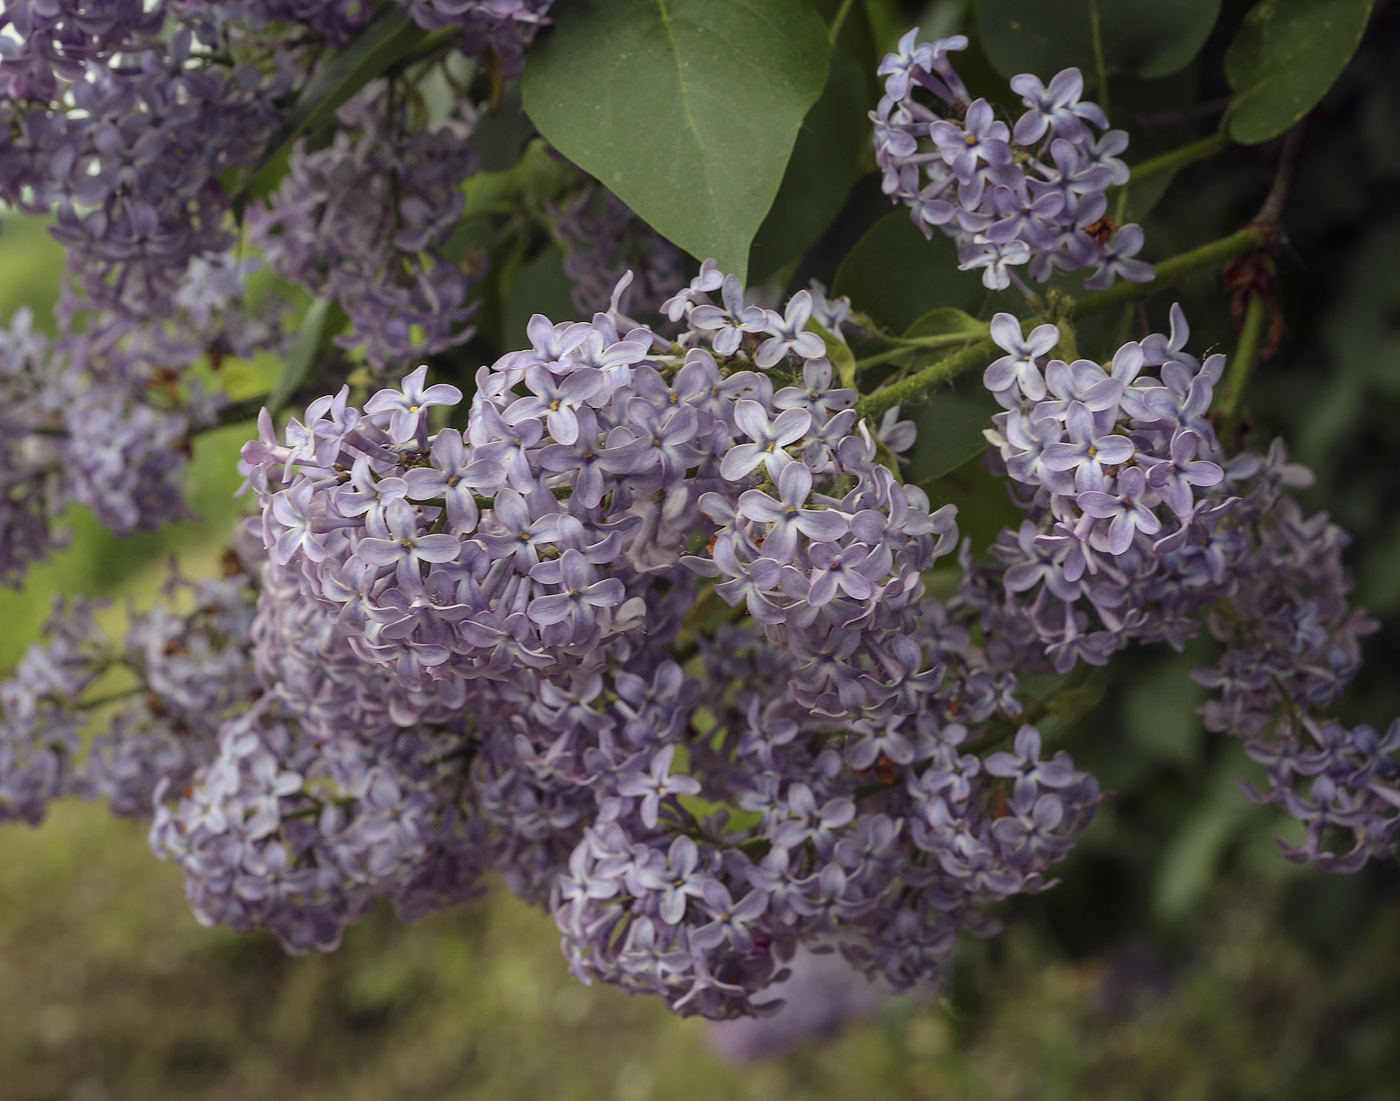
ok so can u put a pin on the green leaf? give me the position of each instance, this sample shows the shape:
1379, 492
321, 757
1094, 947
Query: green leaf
500, 135
686, 109
950, 428
824, 164
946, 321
1193, 855
323, 321
388, 38
896, 276
841, 356
1285, 57
1142, 37
1160, 719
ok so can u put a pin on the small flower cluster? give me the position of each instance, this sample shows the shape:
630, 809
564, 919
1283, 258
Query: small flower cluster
1140, 528
365, 221
1292, 645
124, 117
1031, 194
121, 125
285, 830
496, 29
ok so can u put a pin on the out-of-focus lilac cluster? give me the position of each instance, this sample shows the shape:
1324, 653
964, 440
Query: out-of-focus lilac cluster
603, 240
121, 118
495, 30
103, 415
1029, 193
365, 220
1140, 529
191, 671
129, 124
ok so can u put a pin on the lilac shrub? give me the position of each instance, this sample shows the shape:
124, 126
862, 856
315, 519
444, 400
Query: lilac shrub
651, 637
643, 618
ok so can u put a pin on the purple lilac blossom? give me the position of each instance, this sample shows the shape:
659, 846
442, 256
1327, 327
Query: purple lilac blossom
590, 536
1027, 197
1141, 529
103, 416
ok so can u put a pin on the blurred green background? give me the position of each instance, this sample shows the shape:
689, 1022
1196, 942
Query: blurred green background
1180, 958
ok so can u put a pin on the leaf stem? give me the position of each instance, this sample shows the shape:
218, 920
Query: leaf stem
1169, 271
909, 345
834, 31
1101, 69
1173, 270
1179, 158
872, 405
1242, 363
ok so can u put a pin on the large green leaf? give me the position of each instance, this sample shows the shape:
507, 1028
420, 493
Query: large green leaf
896, 276
387, 39
1285, 57
324, 320
1142, 37
824, 164
686, 109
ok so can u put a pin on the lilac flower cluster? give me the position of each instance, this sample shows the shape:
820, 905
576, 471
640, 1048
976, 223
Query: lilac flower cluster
285, 830
366, 221
122, 119
190, 668
491, 614
603, 240
1139, 528
1030, 194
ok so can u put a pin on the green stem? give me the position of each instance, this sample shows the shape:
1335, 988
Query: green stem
913, 344
1175, 159
112, 697
873, 405
1101, 69
943, 340
1242, 363
834, 32
1173, 270
1169, 271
